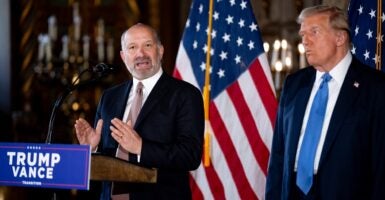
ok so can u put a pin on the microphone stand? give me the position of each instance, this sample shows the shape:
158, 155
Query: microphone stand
100, 70
66, 92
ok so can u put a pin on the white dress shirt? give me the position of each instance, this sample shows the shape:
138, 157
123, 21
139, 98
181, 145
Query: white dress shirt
148, 85
338, 74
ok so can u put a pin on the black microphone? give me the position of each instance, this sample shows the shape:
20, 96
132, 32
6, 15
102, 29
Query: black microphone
103, 68
100, 69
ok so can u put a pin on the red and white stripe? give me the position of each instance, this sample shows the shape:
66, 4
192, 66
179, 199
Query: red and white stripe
241, 126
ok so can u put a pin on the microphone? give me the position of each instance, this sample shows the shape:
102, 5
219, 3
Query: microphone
100, 69
103, 68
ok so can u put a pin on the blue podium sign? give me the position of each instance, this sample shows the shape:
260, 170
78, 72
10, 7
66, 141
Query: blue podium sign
61, 166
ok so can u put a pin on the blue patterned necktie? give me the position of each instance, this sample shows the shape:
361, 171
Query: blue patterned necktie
305, 165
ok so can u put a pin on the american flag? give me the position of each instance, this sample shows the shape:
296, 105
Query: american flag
242, 105
363, 16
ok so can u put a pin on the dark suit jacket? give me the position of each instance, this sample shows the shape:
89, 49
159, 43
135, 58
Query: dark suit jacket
171, 124
352, 163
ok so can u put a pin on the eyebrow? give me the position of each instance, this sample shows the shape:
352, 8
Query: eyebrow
314, 27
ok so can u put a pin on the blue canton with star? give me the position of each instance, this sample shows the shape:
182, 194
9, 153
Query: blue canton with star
236, 41
363, 28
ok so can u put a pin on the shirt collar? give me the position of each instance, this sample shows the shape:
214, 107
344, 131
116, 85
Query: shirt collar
150, 82
338, 72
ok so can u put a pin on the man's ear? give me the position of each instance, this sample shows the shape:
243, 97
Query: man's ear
342, 38
122, 55
161, 51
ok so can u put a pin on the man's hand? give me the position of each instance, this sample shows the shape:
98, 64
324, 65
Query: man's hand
88, 135
126, 136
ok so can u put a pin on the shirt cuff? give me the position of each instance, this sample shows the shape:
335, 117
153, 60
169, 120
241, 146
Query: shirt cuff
138, 158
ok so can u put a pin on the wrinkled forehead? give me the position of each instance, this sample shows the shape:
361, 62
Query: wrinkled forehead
315, 21
139, 33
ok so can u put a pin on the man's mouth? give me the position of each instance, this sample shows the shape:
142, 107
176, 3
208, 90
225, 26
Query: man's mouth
142, 63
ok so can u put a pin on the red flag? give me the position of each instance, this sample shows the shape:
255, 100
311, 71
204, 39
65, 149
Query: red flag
242, 104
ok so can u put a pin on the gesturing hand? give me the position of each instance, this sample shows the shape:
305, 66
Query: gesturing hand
126, 136
88, 135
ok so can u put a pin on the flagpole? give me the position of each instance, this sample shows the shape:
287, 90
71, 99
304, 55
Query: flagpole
379, 33
206, 90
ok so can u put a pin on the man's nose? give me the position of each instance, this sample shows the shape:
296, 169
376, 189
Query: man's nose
305, 40
140, 52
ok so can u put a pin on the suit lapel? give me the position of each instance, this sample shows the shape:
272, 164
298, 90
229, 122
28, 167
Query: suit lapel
154, 97
117, 104
121, 101
302, 97
348, 95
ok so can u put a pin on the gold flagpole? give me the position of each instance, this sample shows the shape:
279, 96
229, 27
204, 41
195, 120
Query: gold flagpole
379, 34
206, 90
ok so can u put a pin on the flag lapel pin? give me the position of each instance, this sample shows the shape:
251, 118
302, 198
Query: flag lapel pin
356, 84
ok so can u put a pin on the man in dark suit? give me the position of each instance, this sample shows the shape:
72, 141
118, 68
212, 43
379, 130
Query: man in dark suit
348, 160
168, 132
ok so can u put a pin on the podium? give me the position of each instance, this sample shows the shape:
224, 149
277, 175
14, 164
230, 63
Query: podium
107, 168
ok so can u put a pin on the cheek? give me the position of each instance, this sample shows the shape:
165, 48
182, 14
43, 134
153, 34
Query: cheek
327, 48
128, 59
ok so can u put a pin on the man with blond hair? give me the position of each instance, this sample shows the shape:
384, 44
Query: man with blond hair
329, 137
